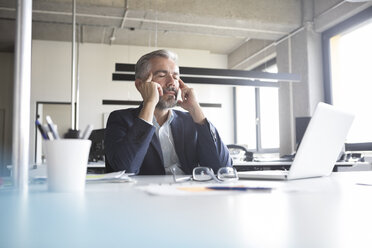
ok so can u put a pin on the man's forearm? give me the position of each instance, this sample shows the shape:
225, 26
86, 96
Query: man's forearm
208, 137
147, 112
197, 115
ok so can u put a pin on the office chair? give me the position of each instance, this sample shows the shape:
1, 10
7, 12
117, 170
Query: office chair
235, 151
97, 150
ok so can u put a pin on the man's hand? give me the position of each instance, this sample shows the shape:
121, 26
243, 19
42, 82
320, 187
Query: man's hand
150, 92
190, 103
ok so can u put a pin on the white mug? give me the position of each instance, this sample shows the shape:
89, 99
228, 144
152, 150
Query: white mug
67, 161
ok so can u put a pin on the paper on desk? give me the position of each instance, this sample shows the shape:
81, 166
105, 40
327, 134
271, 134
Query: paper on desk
175, 190
191, 189
119, 176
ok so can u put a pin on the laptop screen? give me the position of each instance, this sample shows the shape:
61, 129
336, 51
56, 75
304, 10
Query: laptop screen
301, 125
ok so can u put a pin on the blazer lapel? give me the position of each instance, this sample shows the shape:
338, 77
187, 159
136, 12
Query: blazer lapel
178, 137
156, 144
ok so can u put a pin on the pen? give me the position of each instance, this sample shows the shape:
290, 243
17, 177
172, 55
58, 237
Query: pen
87, 132
239, 188
41, 129
50, 136
52, 127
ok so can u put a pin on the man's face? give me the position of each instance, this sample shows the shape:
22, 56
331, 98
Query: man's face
166, 73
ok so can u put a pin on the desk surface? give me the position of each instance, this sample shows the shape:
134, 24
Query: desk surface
333, 211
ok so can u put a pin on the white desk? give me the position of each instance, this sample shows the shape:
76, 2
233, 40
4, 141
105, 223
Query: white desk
323, 212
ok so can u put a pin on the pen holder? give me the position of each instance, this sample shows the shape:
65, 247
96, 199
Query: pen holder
67, 161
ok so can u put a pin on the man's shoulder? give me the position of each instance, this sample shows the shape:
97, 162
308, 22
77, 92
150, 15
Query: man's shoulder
181, 114
124, 114
124, 111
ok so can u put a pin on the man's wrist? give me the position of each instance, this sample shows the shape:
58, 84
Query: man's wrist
150, 104
147, 112
197, 115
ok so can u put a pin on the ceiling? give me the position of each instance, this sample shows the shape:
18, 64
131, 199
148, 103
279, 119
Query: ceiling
219, 26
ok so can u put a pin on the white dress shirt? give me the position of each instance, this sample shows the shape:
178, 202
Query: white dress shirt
164, 134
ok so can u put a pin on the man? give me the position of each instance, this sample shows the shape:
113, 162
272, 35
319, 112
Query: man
153, 139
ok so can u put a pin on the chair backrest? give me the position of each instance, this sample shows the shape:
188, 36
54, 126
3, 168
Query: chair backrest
235, 150
97, 150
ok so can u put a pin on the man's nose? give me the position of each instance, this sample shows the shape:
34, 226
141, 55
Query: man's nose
171, 81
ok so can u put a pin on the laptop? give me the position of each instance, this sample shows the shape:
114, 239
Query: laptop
319, 149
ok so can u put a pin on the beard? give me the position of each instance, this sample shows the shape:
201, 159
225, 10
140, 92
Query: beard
167, 101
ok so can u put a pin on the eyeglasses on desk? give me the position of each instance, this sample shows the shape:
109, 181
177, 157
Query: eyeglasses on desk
202, 174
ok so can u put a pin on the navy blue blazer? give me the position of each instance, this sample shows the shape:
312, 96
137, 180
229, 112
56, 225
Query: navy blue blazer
132, 145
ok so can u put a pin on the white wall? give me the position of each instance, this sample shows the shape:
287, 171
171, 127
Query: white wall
51, 81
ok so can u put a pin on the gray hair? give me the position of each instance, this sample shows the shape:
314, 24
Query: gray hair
143, 65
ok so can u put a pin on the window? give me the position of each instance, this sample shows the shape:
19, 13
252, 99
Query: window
348, 81
257, 115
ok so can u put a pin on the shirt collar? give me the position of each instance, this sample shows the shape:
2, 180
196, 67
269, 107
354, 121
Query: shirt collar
168, 121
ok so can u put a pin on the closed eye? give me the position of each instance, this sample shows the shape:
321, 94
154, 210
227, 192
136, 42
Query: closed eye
160, 73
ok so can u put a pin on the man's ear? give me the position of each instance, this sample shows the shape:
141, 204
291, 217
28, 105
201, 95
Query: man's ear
137, 83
